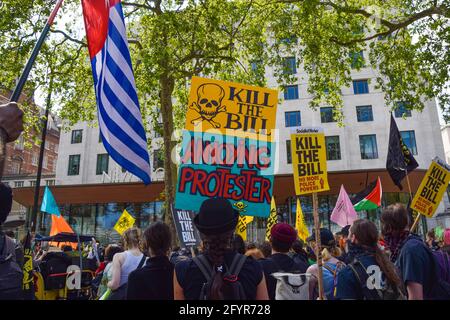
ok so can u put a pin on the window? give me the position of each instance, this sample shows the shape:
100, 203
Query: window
16, 167
18, 184
402, 109
50, 182
360, 86
102, 163
74, 165
45, 162
33, 183
326, 114
34, 159
409, 138
293, 119
333, 148
368, 146
99, 137
289, 65
357, 59
19, 144
290, 92
288, 151
46, 145
364, 113
158, 159
291, 39
77, 136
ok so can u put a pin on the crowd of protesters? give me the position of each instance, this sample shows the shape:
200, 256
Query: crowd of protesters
359, 262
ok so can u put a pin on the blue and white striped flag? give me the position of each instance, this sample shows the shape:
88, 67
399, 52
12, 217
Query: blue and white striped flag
119, 115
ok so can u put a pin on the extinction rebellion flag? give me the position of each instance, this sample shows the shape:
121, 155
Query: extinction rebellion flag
369, 198
399, 161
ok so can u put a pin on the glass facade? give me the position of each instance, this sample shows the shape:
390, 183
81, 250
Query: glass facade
99, 219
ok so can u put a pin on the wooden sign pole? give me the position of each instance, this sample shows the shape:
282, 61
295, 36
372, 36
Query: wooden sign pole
318, 245
416, 222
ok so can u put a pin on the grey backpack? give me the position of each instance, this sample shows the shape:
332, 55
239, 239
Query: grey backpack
294, 286
11, 276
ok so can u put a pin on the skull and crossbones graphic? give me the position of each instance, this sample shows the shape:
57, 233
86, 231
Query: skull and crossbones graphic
208, 104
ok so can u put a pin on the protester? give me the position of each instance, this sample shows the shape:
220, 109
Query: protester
11, 120
410, 254
124, 263
10, 271
282, 236
106, 274
18, 248
431, 240
266, 249
216, 222
255, 253
299, 254
238, 244
369, 263
155, 280
331, 265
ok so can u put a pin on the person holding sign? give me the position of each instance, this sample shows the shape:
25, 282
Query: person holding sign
417, 265
219, 270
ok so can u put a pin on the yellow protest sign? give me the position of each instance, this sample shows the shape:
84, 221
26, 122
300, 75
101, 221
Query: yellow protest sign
125, 222
272, 220
241, 228
231, 109
309, 160
300, 224
432, 188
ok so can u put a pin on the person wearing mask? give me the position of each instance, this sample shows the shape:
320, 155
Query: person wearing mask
155, 280
124, 263
409, 253
331, 264
282, 236
11, 120
369, 263
216, 222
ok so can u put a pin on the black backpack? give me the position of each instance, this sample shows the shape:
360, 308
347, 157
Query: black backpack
233, 289
440, 289
11, 276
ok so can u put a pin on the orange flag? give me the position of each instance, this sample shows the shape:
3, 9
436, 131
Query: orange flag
59, 224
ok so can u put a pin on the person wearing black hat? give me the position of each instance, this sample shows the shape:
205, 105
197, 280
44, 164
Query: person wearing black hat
331, 264
282, 236
216, 222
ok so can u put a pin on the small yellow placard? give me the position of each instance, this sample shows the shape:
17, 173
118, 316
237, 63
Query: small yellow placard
125, 222
432, 188
309, 160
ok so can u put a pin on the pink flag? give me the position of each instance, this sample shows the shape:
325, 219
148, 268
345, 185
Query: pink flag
343, 213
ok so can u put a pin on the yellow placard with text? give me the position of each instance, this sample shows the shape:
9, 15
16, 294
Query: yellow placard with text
432, 188
125, 222
241, 228
232, 109
309, 160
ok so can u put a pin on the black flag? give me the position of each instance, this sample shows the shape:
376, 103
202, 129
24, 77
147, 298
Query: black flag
399, 161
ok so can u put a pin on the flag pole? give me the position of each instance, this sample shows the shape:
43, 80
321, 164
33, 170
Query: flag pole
416, 221
24, 76
318, 245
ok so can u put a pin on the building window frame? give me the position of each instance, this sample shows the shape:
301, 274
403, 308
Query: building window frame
361, 86
293, 119
325, 116
74, 160
333, 154
362, 111
102, 163
77, 136
411, 141
363, 139
291, 92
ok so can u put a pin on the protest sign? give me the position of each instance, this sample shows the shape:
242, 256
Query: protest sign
241, 228
309, 160
125, 222
432, 188
232, 108
187, 234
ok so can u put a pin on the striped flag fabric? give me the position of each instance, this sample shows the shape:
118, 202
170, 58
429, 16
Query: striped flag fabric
119, 114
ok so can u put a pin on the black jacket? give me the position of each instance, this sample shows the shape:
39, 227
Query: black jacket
152, 282
279, 262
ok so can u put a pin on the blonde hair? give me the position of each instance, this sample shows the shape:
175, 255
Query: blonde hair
255, 253
328, 253
132, 238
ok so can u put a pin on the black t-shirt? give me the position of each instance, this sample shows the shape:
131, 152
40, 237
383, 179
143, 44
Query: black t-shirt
279, 262
191, 279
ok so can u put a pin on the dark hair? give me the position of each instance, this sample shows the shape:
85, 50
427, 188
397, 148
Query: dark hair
10, 234
394, 218
215, 247
280, 246
5, 201
366, 233
431, 234
175, 249
238, 244
251, 246
297, 246
157, 238
111, 250
67, 248
266, 249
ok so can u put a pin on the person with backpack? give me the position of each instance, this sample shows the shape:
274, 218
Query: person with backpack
218, 273
371, 275
11, 274
331, 264
282, 236
124, 263
298, 253
155, 280
419, 269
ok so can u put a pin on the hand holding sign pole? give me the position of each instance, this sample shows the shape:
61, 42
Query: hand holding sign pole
310, 176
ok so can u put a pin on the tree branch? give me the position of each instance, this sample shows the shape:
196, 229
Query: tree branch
69, 37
